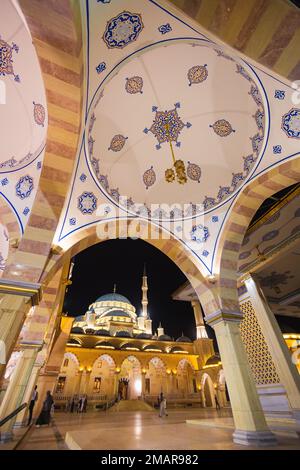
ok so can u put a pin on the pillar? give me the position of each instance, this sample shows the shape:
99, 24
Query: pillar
287, 371
14, 395
12, 315
250, 424
21, 419
144, 372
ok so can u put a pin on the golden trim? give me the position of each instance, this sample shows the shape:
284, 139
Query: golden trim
35, 293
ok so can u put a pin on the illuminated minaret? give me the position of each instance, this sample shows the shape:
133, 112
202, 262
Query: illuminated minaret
145, 295
144, 321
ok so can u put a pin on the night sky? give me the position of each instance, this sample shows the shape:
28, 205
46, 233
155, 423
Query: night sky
99, 267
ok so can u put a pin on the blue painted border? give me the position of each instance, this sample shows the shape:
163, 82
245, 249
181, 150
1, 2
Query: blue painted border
15, 211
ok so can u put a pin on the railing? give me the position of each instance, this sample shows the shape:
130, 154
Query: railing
13, 414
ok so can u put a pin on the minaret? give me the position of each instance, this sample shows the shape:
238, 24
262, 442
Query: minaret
145, 296
144, 321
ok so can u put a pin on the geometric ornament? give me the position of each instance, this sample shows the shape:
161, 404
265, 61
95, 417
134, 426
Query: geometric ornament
291, 123
194, 172
222, 128
122, 30
149, 177
117, 143
6, 60
87, 203
134, 85
167, 126
39, 114
197, 74
24, 187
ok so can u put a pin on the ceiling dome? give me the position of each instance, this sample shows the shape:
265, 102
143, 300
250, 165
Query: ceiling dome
191, 95
113, 297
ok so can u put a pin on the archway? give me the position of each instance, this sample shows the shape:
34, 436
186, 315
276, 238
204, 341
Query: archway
208, 390
102, 377
186, 378
156, 377
130, 379
68, 376
243, 210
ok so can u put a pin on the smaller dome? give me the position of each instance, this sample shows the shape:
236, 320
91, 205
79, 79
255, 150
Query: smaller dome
183, 339
177, 349
117, 313
123, 334
113, 297
130, 346
164, 338
73, 341
102, 333
143, 336
152, 347
89, 331
77, 330
213, 360
104, 344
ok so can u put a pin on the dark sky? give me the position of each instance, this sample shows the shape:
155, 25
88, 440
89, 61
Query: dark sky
121, 261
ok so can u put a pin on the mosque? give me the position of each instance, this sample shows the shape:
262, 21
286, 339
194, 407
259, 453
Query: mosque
177, 123
111, 351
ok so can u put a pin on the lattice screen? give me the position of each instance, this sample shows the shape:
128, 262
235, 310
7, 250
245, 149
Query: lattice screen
259, 357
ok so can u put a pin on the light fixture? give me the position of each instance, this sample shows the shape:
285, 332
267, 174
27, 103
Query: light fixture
177, 171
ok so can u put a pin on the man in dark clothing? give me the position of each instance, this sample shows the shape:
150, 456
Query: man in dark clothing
34, 398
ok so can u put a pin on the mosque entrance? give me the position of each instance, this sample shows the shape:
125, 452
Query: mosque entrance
130, 383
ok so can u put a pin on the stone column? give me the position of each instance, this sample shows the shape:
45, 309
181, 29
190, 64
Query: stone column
13, 310
203, 398
21, 419
77, 388
249, 419
14, 395
144, 372
287, 371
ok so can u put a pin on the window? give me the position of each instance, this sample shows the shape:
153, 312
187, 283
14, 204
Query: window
66, 362
97, 384
60, 384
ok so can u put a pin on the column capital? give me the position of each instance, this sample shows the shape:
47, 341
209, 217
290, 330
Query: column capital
32, 291
223, 316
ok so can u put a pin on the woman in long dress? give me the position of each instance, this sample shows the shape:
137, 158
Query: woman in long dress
45, 414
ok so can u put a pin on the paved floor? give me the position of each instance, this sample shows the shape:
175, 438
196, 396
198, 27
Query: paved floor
139, 430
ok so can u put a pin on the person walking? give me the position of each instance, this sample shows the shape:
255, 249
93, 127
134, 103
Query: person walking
45, 414
34, 398
162, 406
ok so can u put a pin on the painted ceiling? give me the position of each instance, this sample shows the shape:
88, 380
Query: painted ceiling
23, 113
176, 107
157, 85
163, 101
278, 228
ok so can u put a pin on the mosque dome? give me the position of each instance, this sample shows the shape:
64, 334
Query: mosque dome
152, 348
123, 334
102, 332
104, 344
113, 297
77, 330
213, 360
177, 349
164, 338
183, 339
143, 336
117, 313
89, 331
